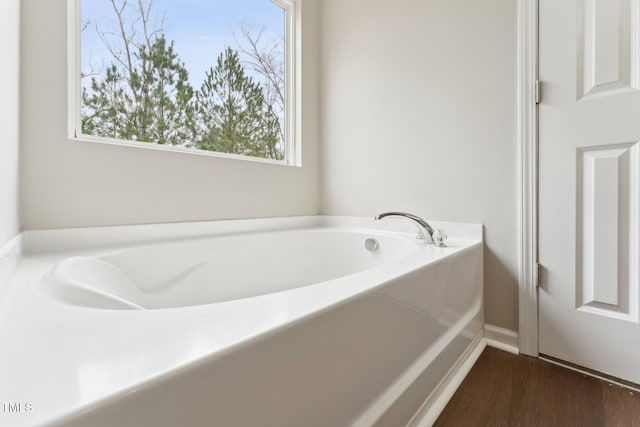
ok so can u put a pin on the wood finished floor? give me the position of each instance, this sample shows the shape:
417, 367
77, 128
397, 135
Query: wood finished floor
503, 389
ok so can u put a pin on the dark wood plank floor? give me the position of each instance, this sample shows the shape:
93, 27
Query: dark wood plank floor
503, 389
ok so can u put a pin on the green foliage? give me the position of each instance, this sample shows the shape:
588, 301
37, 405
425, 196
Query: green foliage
153, 105
162, 111
146, 96
232, 114
105, 106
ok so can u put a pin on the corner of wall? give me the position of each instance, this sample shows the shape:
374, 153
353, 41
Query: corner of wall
10, 119
501, 338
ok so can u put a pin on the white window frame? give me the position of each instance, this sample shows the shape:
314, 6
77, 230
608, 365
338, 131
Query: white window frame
293, 151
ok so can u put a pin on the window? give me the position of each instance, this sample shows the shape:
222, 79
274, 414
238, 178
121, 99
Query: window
207, 76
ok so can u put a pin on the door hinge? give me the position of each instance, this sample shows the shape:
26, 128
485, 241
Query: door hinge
538, 91
536, 274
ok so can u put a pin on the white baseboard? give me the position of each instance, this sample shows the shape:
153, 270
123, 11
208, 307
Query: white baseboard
501, 338
493, 336
436, 402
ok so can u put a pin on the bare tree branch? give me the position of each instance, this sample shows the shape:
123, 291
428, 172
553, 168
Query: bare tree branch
92, 71
266, 59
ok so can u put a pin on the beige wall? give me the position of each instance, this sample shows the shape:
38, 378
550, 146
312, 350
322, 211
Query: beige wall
9, 121
418, 114
73, 184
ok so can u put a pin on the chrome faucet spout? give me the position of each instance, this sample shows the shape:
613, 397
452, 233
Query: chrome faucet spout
425, 231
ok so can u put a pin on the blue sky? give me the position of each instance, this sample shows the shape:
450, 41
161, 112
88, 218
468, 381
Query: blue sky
200, 28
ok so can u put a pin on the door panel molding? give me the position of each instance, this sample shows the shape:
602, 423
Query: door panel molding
527, 176
608, 56
607, 230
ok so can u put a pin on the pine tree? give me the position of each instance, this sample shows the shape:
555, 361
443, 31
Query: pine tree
163, 109
231, 113
104, 111
154, 104
144, 94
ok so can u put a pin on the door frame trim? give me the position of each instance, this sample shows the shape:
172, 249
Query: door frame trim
527, 141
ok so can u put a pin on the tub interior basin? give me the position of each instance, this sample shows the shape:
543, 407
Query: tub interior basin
216, 269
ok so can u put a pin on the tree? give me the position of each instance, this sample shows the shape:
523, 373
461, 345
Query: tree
154, 101
232, 114
266, 58
153, 105
137, 28
144, 93
162, 111
104, 111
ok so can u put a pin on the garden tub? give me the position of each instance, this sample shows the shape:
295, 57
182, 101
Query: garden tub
269, 322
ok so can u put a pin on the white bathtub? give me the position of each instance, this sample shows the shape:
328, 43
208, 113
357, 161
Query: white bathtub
277, 322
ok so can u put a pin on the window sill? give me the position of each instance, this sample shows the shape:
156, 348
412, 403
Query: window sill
178, 149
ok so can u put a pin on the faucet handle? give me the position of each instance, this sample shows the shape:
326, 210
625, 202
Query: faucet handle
440, 238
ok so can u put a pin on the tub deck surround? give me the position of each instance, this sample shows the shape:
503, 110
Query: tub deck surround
77, 364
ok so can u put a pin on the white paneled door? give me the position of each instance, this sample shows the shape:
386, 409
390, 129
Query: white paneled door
589, 171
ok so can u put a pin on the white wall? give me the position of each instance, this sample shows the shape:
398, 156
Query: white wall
418, 114
9, 121
74, 184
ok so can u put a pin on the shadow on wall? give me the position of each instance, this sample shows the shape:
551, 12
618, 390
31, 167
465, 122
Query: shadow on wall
498, 294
